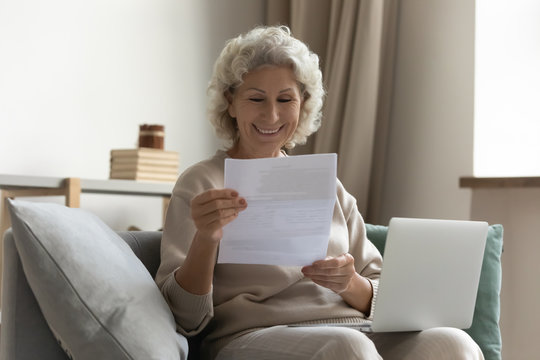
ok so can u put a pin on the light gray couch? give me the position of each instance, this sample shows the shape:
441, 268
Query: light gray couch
24, 334
51, 228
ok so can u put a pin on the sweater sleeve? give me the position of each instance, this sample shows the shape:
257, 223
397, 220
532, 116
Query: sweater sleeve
368, 260
191, 312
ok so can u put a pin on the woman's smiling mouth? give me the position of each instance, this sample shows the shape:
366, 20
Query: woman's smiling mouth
267, 131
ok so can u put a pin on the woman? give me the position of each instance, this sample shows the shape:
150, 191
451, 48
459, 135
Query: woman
266, 94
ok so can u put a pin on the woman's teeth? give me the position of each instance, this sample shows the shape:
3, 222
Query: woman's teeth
262, 131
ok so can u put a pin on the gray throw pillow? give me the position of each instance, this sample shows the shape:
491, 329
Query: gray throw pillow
96, 296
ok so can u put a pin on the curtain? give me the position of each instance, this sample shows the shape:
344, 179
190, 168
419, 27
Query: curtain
355, 41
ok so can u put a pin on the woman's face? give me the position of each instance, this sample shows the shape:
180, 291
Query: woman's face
267, 108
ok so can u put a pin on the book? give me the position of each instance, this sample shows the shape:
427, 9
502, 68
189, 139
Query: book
146, 153
140, 175
167, 169
144, 164
136, 161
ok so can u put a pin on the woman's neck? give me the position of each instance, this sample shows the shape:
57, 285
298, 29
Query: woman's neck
237, 152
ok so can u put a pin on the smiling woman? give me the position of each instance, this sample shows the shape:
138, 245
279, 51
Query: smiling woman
266, 108
266, 93
258, 48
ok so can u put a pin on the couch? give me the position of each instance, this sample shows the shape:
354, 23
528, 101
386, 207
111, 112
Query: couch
50, 317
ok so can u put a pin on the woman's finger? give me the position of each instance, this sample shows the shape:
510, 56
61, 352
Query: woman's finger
217, 225
334, 262
215, 200
213, 194
334, 273
216, 216
331, 266
217, 206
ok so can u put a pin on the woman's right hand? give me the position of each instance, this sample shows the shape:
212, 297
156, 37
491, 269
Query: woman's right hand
213, 209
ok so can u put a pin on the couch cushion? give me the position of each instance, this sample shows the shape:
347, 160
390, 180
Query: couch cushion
95, 294
485, 326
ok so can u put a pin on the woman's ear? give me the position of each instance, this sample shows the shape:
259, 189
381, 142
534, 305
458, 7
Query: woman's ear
230, 109
305, 97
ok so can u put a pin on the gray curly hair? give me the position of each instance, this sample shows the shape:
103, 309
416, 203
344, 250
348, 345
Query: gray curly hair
273, 45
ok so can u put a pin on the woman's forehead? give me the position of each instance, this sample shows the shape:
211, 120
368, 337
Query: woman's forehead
270, 75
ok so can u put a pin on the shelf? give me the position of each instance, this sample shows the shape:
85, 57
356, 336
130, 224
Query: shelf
499, 182
95, 186
12, 186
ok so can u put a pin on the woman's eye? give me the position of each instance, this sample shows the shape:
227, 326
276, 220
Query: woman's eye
284, 100
256, 99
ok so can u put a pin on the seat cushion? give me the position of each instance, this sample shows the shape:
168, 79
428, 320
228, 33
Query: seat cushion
485, 326
98, 299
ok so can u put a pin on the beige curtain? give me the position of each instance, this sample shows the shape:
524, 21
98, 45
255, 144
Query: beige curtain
355, 41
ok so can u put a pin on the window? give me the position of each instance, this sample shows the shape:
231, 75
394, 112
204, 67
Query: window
507, 88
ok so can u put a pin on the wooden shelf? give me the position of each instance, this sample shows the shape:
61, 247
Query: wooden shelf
95, 186
499, 182
12, 186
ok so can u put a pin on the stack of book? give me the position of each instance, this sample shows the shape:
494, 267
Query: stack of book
144, 164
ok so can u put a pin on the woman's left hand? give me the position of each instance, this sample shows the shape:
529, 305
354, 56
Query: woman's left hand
339, 275
334, 273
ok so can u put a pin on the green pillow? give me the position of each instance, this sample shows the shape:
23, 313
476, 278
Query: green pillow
485, 326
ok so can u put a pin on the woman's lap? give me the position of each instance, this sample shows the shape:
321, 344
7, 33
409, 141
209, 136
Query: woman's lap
437, 343
283, 342
325, 342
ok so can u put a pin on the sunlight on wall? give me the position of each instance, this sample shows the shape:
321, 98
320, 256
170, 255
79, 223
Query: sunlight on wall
507, 88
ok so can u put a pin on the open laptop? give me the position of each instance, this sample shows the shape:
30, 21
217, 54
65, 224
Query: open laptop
430, 275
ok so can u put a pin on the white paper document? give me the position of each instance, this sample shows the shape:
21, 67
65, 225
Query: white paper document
290, 202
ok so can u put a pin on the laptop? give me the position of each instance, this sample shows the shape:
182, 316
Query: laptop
430, 275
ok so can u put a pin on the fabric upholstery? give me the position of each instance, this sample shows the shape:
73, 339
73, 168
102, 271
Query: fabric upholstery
485, 326
96, 296
146, 245
25, 333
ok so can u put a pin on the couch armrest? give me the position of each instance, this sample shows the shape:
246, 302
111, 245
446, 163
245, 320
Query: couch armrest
25, 334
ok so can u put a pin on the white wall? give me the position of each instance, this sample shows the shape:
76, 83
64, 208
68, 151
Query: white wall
431, 136
78, 77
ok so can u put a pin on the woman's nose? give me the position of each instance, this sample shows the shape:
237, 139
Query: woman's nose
272, 113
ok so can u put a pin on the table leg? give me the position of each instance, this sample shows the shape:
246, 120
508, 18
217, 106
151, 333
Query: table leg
72, 189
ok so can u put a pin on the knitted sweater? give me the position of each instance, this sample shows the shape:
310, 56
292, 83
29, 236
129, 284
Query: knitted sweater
247, 297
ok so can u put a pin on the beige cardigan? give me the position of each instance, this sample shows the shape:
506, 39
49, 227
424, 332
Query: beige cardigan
246, 297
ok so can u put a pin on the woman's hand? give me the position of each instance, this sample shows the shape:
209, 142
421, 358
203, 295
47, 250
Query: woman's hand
210, 210
339, 275
213, 209
334, 273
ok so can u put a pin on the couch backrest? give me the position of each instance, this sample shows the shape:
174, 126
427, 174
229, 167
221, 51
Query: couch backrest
146, 245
